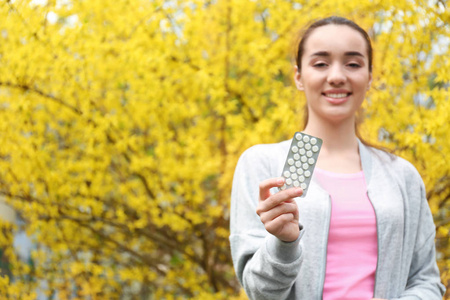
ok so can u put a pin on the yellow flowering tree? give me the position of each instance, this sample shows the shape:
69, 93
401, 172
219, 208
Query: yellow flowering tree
121, 124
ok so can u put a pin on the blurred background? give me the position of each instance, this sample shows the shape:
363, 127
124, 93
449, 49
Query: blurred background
121, 123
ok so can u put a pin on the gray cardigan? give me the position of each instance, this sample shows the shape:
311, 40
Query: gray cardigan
268, 268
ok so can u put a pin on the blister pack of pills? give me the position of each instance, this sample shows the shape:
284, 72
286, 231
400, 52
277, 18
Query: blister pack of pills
300, 161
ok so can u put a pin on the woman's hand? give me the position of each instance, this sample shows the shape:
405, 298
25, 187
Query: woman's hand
279, 212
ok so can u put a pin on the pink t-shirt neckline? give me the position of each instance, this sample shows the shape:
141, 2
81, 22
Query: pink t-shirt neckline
339, 175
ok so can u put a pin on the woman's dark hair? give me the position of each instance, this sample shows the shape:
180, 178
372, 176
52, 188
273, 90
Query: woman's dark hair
335, 20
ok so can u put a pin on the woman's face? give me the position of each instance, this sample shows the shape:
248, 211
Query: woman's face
335, 72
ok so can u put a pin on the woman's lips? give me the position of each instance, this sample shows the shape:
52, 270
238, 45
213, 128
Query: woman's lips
336, 98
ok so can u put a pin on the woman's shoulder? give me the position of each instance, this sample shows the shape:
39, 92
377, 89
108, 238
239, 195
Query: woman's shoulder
264, 158
395, 164
267, 151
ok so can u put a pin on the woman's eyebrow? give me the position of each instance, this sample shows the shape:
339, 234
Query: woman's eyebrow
353, 53
326, 54
321, 53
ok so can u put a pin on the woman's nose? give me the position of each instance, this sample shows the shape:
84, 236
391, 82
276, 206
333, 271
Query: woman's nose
336, 75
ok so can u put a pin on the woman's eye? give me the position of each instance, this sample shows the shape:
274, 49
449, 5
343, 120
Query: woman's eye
354, 65
320, 65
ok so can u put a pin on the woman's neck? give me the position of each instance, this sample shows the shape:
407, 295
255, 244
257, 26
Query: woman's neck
336, 137
340, 152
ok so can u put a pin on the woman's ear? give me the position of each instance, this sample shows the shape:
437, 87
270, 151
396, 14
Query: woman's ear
370, 81
298, 79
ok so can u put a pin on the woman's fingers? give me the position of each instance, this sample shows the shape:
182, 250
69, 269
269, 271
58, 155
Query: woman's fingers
277, 225
283, 208
266, 185
276, 199
279, 212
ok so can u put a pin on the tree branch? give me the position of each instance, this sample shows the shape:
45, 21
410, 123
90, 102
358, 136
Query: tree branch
35, 90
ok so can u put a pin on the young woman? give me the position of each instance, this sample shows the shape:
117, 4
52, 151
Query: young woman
364, 230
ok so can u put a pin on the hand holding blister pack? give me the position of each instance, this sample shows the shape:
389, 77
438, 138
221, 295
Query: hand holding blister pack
300, 162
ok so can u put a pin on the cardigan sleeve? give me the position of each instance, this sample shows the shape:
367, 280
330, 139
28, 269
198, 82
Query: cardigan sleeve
265, 266
423, 279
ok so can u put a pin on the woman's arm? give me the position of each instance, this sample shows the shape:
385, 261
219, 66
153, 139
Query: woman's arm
266, 266
423, 280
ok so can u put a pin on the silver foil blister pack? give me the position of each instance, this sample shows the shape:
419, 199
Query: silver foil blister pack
300, 162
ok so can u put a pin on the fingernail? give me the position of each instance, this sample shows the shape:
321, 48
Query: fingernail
280, 181
298, 191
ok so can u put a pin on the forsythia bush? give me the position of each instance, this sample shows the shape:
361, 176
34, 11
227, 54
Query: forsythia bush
121, 123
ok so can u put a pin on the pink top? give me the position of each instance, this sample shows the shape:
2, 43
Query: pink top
352, 239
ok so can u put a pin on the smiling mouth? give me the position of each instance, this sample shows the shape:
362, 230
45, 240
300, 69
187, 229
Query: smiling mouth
337, 96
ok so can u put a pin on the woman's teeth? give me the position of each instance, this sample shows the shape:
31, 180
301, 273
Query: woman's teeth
342, 95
